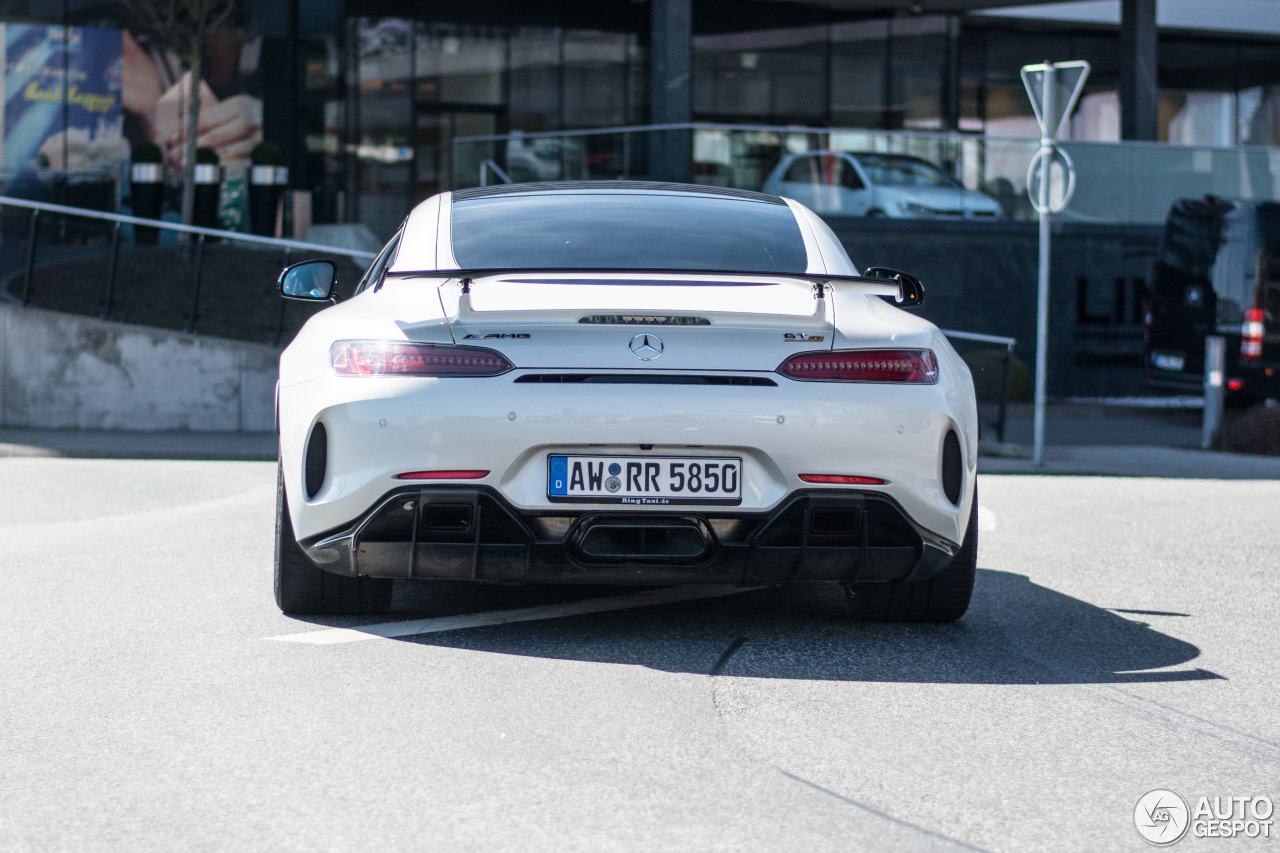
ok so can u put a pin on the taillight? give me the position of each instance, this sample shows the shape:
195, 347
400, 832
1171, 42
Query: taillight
1251, 344
841, 480
397, 358
917, 366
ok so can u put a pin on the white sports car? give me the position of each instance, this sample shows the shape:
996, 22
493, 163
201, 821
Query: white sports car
623, 383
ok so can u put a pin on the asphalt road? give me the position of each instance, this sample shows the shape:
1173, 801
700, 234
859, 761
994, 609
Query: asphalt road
1123, 637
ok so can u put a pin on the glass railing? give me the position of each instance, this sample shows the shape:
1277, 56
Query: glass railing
1117, 183
155, 273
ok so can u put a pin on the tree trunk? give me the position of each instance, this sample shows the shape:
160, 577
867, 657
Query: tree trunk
193, 124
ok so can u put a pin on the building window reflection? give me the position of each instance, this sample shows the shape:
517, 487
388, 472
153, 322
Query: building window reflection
753, 76
859, 74
416, 86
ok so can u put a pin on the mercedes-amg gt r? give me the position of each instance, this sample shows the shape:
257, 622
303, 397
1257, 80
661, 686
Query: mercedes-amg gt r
623, 383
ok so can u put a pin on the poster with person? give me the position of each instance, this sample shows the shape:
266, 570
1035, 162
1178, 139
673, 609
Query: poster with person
62, 91
76, 100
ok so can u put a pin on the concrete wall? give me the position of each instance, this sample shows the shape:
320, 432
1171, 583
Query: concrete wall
981, 277
65, 371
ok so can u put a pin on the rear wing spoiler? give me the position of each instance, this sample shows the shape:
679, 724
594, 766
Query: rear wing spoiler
903, 289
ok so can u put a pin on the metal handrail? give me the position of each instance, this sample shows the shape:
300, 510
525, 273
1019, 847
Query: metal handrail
1008, 344
36, 207
200, 233
275, 242
491, 165
813, 131
975, 336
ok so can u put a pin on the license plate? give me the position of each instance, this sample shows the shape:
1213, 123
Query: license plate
1168, 360
645, 480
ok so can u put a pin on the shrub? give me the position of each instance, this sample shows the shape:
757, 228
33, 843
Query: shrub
266, 154
987, 367
207, 156
1253, 430
147, 152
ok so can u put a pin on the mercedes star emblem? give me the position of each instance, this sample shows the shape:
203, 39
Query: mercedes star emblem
646, 347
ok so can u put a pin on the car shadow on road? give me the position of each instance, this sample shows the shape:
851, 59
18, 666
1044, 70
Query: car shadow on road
1016, 632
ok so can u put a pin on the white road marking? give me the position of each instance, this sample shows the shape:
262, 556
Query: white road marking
986, 518
411, 627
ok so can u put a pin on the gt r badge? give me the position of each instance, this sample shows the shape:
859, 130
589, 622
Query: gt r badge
497, 337
801, 338
646, 347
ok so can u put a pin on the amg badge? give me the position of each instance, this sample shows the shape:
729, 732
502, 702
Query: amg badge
801, 338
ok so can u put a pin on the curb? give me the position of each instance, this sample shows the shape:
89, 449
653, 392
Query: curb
120, 444
1130, 461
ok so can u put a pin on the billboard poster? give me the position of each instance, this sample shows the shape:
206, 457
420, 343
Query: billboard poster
62, 94
75, 100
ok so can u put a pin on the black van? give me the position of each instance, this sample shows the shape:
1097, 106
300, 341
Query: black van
1217, 271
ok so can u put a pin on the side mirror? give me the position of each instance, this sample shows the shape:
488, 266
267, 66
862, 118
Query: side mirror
911, 291
310, 281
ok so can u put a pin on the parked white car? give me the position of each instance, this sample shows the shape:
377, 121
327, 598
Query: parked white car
864, 183
623, 383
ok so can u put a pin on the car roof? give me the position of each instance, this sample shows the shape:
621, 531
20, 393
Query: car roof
884, 155
611, 187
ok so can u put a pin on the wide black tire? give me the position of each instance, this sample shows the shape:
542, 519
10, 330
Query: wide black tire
302, 587
942, 598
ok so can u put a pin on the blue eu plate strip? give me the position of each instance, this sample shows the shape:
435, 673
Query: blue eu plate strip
558, 479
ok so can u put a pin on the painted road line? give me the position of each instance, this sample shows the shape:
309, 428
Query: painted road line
986, 518
411, 627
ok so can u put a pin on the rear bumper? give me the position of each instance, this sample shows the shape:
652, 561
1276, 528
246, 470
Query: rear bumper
378, 428
473, 533
1255, 378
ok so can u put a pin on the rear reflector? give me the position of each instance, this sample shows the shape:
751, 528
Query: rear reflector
442, 475
1251, 331
915, 366
395, 358
1234, 384
841, 480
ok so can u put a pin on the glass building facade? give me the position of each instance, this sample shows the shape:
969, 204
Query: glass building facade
366, 97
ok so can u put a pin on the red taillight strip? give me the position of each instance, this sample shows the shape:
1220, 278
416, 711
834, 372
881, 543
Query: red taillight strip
442, 475
842, 480
910, 366
403, 358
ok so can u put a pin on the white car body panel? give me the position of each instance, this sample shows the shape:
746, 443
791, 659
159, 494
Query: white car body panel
381, 426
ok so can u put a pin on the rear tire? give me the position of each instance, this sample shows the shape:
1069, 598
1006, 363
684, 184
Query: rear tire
302, 587
942, 598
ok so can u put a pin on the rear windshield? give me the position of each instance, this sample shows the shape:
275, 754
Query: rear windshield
641, 231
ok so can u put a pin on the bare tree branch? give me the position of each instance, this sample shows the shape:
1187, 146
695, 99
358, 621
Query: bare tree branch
181, 26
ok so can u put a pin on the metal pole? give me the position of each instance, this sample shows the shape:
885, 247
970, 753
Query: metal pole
195, 284
111, 271
288, 256
31, 257
1004, 394
1042, 295
1215, 362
